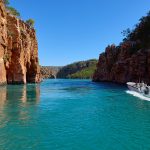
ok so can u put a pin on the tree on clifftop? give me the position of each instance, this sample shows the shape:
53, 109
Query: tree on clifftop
6, 2
13, 11
30, 22
139, 36
10, 9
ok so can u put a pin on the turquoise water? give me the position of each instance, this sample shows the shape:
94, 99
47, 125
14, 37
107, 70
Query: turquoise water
72, 115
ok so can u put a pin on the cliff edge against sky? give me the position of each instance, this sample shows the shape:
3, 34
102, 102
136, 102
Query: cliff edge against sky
130, 61
18, 50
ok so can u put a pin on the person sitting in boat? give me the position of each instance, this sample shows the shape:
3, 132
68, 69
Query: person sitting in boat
146, 90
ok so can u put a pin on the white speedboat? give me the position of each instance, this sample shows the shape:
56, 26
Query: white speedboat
141, 88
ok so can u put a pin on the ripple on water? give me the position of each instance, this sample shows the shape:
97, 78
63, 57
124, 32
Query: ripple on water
73, 115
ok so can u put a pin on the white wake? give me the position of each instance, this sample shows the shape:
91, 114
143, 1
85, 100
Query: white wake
138, 95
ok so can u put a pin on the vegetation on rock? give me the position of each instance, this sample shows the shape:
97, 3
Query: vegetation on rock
139, 37
13, 11
10, 9
86, 73
6, 2
19, 50
30, 22
130, 61
81, 69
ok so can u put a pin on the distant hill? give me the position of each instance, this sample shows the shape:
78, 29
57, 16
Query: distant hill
49, 71
81, 69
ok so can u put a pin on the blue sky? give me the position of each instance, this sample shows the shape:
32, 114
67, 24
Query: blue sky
73, 30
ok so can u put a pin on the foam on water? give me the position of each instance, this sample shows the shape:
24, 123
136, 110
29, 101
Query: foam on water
136, 94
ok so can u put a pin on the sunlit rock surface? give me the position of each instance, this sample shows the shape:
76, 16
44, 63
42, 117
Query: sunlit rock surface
18, 51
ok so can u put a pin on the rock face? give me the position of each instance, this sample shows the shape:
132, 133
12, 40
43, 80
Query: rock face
22, 53
119, 65
49, 72
130, 61
18, 51
3, 42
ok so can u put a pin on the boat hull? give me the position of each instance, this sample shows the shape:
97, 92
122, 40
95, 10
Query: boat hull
136, 87
132, 88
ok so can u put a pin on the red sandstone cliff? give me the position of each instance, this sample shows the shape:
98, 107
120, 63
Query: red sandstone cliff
18, 50
119, 65
3, 42
130, 61
49, 72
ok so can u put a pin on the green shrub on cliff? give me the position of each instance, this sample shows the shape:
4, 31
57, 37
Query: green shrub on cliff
6, 58
6, 2
10, 9
140, 34
81, 70
13, 11
30, 22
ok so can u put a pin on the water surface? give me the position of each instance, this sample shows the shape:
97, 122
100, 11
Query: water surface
72, 115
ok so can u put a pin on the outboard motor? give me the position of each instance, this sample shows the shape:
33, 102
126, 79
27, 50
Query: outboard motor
146, 91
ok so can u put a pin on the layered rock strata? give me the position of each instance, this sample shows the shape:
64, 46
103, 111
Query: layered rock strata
18, 51
119, 65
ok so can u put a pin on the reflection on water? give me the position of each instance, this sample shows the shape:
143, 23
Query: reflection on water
72, 115
15, 102
3, 94
23, 93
